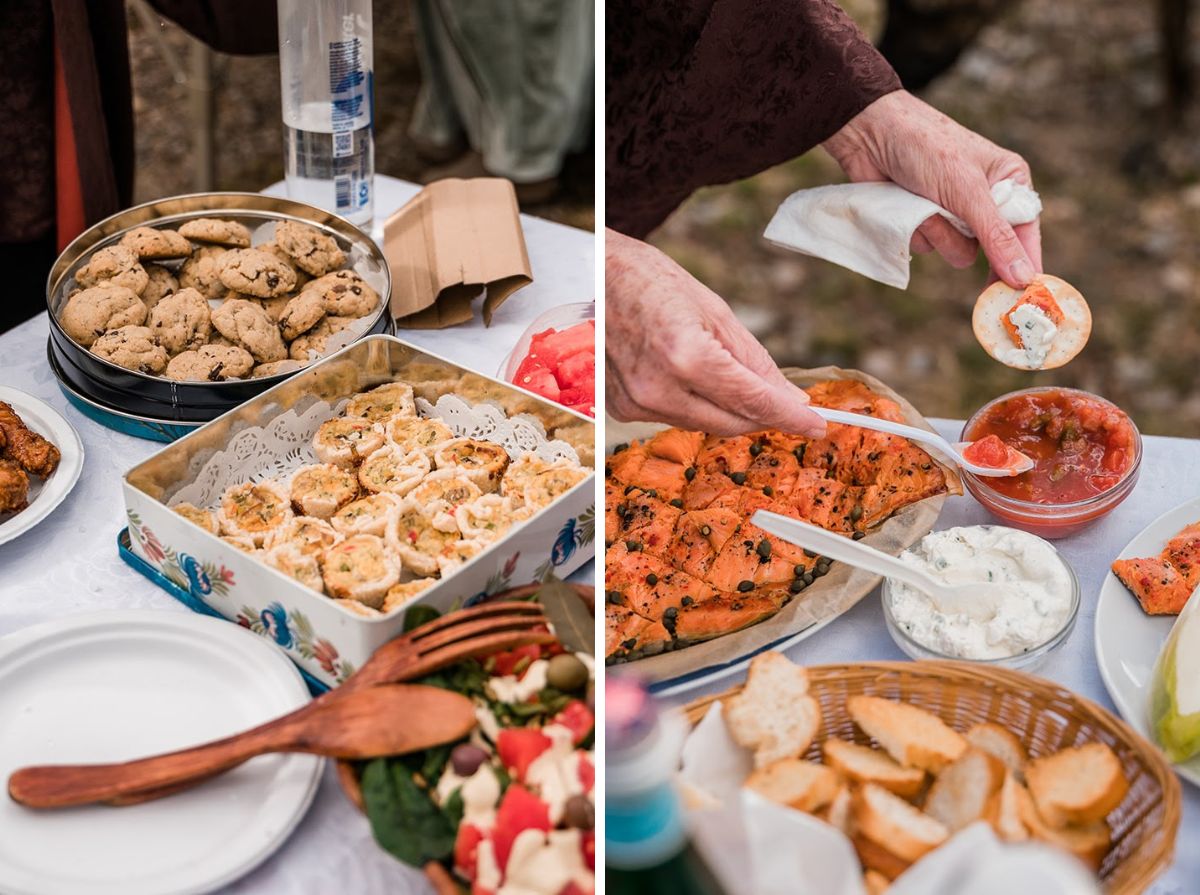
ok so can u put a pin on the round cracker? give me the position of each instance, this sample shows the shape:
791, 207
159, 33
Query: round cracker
1072, 335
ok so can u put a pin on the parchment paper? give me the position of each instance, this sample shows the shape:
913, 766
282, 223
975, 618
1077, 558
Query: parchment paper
827, 597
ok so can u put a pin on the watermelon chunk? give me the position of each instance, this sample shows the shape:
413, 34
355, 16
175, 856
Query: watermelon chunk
519, 810
587, 774
577, 718
519, 747
466, 850
576, 370
553, 347
541, 382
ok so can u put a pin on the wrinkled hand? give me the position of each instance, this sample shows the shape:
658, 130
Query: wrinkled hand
677, 354
902, 139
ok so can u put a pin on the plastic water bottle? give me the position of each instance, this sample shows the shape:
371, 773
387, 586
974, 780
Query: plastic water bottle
327, 85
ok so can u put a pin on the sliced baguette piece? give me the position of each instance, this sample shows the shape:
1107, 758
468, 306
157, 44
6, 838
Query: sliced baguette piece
1089, 843
803, 785
877, 859
967, 790
1007, 823
875, 882
774, 715
837, 812
895, 825
1002, 743
1080, 785
862, 764
914, 737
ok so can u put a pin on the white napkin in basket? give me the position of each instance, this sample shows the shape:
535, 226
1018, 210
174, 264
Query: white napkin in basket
867, 227
756, 847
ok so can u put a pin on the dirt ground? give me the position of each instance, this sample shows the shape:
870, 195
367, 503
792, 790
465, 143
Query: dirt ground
249, 135
1075, 88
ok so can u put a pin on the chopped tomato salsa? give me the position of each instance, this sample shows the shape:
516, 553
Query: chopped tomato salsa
989, 451
1039, 296
1081, 446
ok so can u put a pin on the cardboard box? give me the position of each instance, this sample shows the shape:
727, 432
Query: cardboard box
452, 242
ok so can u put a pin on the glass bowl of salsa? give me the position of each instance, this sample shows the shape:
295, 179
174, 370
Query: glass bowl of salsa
1087, 453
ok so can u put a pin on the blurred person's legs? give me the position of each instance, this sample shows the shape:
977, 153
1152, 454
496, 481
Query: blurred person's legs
515, 78
27, 265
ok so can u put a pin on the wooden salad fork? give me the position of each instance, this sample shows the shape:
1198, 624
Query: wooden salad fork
391, 719
467, 634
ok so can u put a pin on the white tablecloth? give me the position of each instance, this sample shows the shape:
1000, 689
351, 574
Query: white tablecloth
1168, 478
68, 564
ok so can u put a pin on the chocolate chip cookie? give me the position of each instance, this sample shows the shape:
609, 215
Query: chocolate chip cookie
248, 325
272, 248
218, 231
312, 250
91, 313
256, 273
202, 272
211, 363
301, 314
345, 294
150, 244
276, 368
116, 265
161, 284
132, 347
181, 322
315, 342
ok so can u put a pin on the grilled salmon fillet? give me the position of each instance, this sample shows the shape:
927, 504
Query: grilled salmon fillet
1163, 583
683, 562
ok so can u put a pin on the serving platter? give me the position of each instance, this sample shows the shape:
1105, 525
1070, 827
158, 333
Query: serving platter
44, 496
117, 685
1128, 640
702, 664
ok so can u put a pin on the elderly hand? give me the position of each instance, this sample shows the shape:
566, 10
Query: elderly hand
677, 354
901, 139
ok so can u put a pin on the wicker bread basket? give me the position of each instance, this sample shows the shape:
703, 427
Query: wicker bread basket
1045, 716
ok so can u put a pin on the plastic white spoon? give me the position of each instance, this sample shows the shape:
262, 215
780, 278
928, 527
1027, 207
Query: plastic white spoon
975, 600
1018, 462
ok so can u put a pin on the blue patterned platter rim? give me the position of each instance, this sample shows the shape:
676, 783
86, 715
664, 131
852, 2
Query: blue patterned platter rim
193, 603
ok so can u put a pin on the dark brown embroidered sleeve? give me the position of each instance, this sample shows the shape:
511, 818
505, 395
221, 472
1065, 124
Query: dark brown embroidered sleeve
701, 92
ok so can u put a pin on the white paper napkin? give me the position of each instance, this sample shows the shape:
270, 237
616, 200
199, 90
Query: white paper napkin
867, 227
757, 847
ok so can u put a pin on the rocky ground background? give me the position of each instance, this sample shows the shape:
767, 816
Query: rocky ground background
249, 135
1076, 88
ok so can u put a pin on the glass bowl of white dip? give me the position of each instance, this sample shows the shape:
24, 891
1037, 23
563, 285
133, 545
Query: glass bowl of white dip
1036, 598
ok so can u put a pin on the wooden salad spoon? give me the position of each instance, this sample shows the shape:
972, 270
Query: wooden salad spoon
467, 634
390, 719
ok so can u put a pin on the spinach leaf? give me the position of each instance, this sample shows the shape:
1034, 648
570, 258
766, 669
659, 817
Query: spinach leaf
419, 615
404, 819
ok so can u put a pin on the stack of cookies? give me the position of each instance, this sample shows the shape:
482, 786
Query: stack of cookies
202, 304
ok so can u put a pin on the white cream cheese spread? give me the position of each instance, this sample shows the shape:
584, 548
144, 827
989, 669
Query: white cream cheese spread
1037, 332
1031, 603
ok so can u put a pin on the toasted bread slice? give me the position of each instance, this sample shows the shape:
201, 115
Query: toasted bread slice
1089, 843
894, 824
862, 764
967, 790
912, 736
837, 812
1007, 822
774, 715
1077, 786
875, 858
1002, 743
803, 785
875, 882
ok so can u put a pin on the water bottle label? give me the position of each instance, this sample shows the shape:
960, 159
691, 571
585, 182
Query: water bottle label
350, 106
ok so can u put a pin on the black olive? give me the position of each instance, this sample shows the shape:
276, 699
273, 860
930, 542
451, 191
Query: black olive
689, 473
687, 601
466, 759
858, 535
764, 548
652, 579
739, 478
579, 813
745, 586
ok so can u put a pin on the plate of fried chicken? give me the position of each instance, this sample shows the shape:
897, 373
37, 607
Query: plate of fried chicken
41, 458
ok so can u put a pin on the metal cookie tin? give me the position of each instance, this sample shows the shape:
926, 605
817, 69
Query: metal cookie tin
165, 403
327, 640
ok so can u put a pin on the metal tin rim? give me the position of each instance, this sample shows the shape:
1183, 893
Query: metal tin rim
148, 212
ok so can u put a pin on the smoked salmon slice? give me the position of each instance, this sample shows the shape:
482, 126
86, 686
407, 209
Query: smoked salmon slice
683, 562
1163, 583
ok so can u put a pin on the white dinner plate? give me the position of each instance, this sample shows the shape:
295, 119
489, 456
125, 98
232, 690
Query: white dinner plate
1128, 640
113, 686
44, 496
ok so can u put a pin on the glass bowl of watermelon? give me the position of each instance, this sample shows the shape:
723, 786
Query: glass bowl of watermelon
556, 357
